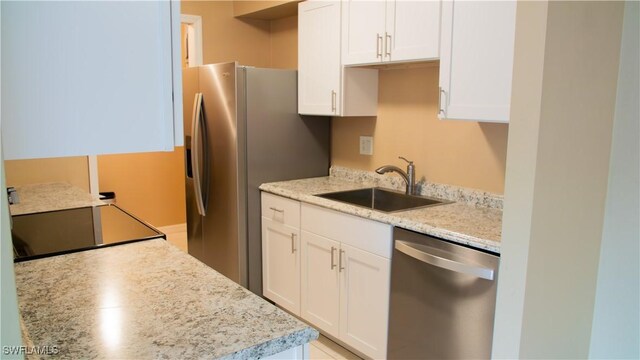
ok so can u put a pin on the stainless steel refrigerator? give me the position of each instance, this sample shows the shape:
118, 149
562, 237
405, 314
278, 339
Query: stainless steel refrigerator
242, 129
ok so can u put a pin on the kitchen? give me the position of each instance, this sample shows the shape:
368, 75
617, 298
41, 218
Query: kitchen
482, 165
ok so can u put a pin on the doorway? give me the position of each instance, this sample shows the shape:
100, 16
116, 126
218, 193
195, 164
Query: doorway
191, 40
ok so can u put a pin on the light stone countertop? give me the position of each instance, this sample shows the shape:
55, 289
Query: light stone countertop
464, 222
147, 300
36, 198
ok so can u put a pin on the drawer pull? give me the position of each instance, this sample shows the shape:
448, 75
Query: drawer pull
277, 210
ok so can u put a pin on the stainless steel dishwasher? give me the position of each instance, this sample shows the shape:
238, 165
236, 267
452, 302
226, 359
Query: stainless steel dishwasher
442, 299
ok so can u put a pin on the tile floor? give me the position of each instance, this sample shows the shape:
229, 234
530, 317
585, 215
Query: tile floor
325, 349
321, 349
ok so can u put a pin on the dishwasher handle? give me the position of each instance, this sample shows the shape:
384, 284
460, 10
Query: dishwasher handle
419, 252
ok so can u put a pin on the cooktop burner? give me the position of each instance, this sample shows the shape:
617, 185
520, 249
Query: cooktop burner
59, 232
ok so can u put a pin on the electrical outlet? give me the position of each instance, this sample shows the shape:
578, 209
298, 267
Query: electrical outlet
366, 145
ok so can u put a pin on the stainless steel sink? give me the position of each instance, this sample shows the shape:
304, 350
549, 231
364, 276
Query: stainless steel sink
382, 199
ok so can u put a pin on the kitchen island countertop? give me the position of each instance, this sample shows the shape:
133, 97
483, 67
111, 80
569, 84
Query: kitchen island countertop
460, 222
36, 198
147, 300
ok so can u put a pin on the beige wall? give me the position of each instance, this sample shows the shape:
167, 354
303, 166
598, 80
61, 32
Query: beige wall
226, 38
468, 154
72, 170
284, 43
149, 185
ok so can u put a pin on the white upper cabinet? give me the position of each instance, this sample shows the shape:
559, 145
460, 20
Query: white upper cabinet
95, 77
476, 60
324, 86
389, 31
413, 30
364, 26
318, 57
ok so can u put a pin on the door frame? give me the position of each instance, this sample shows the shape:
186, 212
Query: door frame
195, 40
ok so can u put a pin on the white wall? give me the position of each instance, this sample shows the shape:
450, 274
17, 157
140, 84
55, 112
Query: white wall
563, 104
9, 325
522, 153
616, 329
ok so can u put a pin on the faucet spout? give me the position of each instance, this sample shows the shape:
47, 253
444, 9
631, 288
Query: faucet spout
408, 177
390, 168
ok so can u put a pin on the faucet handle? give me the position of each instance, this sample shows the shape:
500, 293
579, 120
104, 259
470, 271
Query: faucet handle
409, 161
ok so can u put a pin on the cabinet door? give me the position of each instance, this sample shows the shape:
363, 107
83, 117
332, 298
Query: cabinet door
319, 91
476, 59
83, 78
320, 283
363, 27
412, 31
281, 264
364, 300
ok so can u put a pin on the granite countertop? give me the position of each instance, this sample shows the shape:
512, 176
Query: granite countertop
475, 219
147, 300
36, 198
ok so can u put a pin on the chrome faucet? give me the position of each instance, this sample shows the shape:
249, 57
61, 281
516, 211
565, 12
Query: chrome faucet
409, 177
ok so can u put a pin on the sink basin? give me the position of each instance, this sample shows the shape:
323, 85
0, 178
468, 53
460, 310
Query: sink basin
382, 199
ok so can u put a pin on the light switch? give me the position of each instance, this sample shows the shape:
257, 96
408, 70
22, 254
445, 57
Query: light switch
366, 145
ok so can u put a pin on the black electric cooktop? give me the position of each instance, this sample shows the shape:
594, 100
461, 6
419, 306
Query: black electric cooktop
60, 232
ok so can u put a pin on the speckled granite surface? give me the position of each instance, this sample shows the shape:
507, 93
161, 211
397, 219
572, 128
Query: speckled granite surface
464, 222
442, 191
148, 300
51, 196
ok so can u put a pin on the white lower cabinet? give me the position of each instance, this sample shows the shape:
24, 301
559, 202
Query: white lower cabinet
364, 301
281, 264
344, 288
330, 268
281, 251
320, 283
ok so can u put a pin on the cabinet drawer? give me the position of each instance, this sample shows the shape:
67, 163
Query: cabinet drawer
367, 235
281, 210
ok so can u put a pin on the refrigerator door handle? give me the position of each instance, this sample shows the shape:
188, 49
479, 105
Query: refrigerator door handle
196, 135
420, 253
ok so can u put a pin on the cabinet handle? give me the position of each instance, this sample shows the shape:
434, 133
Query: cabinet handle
387, 44
293, 243
333, 101
333, 249
340, 261
440, 103
378, 46
277, 210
